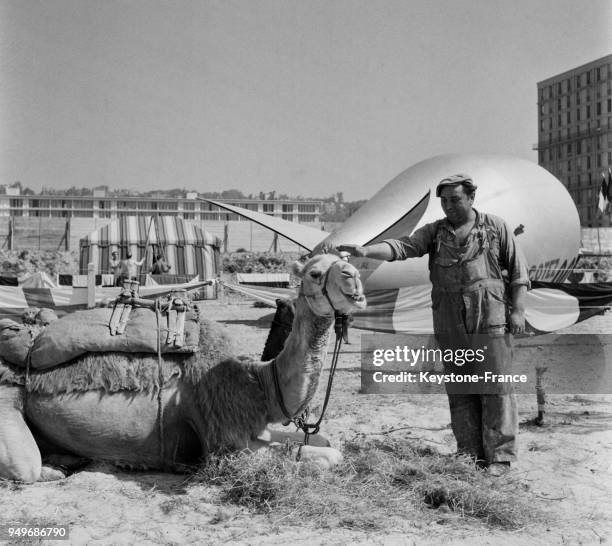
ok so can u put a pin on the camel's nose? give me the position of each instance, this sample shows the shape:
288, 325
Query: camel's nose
352, 274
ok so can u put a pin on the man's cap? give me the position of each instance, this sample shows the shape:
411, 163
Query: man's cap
454, 180
129, 254
114, 252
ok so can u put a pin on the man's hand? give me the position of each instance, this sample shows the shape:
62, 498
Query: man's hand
354, 250
517, 322
517, 316
379, 251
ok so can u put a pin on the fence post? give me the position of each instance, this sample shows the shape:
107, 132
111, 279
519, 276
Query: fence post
67, 235
91, 285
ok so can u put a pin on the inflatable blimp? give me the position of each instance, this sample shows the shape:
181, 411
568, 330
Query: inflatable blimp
534, 204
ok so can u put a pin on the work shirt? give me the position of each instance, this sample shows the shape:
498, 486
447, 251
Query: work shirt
471, 281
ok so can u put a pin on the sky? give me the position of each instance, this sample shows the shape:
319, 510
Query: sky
306, 98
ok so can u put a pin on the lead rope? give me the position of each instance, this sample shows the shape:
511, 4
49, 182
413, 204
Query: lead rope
26, 385
160, 371
27, 376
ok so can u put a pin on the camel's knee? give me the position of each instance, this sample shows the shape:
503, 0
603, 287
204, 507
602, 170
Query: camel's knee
324, 457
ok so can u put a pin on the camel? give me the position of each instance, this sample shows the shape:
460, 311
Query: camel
100, 407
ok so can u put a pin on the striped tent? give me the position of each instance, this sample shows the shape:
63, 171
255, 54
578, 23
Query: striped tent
187, 248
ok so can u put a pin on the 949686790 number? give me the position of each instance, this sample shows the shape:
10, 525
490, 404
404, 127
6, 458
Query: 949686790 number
47, 532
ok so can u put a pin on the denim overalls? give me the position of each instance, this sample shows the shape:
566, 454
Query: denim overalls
469, 296
469, 292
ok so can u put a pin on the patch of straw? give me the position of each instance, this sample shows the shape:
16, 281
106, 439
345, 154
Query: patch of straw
378, 481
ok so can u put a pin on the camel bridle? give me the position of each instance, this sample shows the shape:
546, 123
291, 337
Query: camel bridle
324, 292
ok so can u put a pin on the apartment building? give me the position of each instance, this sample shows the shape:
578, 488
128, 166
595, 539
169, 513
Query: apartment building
100, 206
575, 132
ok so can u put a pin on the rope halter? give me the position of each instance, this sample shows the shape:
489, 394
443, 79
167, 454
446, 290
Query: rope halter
312, 298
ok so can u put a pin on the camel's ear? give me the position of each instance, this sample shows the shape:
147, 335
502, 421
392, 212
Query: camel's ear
297, 268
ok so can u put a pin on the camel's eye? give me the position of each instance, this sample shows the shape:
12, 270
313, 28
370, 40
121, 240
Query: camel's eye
315, 274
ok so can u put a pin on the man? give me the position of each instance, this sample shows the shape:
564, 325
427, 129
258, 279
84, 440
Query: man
131, 266
160, 266
25, 266
475, 268
115, 267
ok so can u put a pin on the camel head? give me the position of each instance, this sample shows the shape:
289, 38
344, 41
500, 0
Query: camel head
330, 284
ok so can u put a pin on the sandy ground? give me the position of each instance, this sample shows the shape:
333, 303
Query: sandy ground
567, 464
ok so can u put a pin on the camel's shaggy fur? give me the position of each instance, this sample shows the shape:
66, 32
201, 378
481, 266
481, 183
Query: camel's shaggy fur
11, 375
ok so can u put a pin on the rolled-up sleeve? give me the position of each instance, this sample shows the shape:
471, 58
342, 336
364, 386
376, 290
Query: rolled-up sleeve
418, 244
512, 256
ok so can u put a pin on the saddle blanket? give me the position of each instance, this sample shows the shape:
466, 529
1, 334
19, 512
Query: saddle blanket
88, 331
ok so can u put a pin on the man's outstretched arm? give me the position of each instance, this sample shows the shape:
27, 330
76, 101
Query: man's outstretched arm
379, 251
418, 244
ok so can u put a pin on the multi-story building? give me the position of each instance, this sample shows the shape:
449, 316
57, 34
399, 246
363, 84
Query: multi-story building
100, 205
575, 133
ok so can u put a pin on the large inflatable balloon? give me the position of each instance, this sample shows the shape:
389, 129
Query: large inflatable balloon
535, 205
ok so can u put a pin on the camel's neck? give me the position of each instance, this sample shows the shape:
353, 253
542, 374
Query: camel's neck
299, 363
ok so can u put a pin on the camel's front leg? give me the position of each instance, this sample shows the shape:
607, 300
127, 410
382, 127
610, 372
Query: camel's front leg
317, 451
19, 454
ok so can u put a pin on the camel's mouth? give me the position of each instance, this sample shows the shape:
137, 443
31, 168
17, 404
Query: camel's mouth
360, 301
356, 300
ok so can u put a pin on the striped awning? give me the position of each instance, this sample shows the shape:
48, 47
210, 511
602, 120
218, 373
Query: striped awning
153, 230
